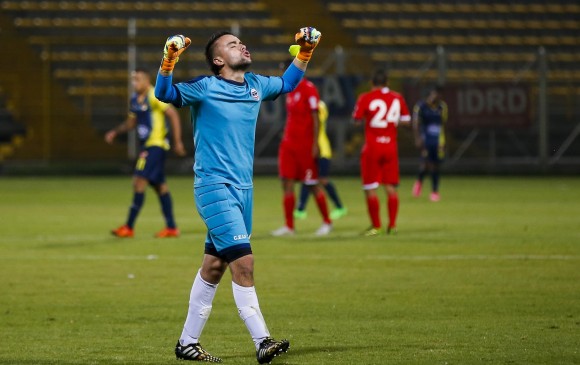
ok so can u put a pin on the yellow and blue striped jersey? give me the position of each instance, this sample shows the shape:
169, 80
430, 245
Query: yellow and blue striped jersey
150, 114
323, 141
432, 119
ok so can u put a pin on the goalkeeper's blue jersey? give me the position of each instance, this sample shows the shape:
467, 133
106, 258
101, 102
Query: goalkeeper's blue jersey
224, 115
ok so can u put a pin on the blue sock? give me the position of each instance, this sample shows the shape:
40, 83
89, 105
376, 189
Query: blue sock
167, 208
435, 180
333, 195
138, 199
304, 193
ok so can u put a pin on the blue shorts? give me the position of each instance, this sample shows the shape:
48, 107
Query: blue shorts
227, 214
323, 167
433, 153
151, 165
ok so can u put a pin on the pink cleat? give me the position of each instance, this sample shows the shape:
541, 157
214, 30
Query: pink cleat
435, 197
417, 189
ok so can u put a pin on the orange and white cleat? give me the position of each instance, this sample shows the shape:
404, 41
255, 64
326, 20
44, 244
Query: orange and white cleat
123, 232
167, 233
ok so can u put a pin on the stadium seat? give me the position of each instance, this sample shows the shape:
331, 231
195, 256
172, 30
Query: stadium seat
482, 40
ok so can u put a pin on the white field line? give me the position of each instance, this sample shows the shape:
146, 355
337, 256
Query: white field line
81, 238
521, 257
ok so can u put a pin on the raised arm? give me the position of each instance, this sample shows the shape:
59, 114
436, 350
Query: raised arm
307, 40
164, 89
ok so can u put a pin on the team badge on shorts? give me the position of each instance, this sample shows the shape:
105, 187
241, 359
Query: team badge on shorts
254, 94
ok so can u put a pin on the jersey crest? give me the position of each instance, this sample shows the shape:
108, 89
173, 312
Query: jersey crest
254, 94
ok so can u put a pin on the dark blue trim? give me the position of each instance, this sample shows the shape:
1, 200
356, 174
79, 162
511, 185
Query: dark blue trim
230, 254
232, 81
179, 102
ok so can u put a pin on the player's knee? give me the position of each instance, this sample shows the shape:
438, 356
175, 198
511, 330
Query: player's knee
161, 189
244, 275
139, 184
315, 188
288, 186
391, 190
213, 273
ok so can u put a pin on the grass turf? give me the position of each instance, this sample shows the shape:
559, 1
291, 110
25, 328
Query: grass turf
489, 275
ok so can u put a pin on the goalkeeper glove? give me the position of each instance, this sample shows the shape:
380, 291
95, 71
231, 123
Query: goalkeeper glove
174, 46
307, 40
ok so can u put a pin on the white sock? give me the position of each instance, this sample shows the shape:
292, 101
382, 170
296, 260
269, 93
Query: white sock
200, 299
249, 310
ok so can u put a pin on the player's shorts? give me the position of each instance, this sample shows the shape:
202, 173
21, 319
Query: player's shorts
323, 167
379, 165
433, 152
227, 214
297, 165
151, 165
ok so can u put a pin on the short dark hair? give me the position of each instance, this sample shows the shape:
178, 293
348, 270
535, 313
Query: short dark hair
438, 88
380, 78
143, 71
209, 50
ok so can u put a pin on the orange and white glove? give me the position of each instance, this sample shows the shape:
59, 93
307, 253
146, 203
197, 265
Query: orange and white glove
174, 46
307, 39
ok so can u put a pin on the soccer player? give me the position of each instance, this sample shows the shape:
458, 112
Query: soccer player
381, 109
147, 114
298, 153
224, 112
324, 158
429, 118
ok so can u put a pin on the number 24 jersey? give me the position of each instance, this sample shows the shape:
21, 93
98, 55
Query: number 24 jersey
382, 109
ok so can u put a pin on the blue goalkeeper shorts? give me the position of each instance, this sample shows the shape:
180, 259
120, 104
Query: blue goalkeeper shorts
151, 165
227, 214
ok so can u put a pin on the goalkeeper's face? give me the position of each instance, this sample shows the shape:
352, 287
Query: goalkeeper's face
230, 52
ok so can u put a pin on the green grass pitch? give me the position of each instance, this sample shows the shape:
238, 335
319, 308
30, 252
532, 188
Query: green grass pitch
489, 275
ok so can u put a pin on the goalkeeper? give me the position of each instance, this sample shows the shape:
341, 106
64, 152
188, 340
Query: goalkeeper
224, 112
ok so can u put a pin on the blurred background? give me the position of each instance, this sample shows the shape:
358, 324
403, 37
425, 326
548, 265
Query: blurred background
510, 72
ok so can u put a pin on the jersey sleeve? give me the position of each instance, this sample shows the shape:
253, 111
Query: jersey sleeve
271, 86
192, 91
444, 112
322, 111
405, 115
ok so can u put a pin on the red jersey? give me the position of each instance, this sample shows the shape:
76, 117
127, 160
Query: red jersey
382, 109
300, 104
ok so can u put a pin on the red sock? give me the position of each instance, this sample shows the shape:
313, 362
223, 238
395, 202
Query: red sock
373, 207
323, 207
289, 202
393, 205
